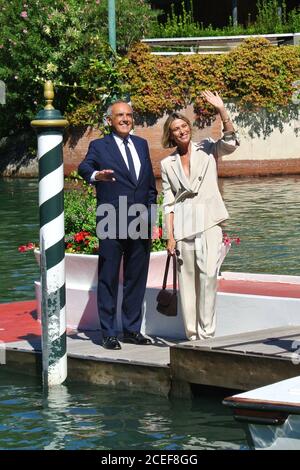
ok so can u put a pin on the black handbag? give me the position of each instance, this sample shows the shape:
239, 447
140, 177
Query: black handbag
167, 299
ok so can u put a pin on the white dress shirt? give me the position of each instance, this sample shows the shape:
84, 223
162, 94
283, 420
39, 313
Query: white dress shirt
135, 157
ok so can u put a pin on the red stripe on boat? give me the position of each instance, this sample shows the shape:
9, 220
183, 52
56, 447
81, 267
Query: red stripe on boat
273, 289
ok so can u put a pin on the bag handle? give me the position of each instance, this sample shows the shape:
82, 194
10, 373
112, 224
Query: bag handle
170, 255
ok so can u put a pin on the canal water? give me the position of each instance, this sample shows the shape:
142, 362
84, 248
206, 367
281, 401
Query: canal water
264, 214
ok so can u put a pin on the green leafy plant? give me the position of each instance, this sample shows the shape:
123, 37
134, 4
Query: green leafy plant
181, 25
255, 75
65, 42
159, 243
80, 224
268, 20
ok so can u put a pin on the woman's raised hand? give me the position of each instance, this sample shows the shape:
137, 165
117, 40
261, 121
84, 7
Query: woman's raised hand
213, 98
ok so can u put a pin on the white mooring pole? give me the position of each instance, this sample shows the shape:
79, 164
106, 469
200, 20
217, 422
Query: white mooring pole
50, 124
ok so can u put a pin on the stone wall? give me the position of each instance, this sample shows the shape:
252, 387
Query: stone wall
76, 143
270, 145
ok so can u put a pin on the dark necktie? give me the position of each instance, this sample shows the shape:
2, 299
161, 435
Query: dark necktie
130, 161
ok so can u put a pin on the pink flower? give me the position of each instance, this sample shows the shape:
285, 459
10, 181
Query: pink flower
156, 233
24, 14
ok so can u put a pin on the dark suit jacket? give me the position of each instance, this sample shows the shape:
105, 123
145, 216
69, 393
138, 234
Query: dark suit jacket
105, 154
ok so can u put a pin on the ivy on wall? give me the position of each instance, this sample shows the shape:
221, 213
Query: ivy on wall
254, 75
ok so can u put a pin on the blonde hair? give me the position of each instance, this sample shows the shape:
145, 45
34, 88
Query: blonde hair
167, 140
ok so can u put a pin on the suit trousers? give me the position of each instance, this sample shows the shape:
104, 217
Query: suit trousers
198, 263
136, 255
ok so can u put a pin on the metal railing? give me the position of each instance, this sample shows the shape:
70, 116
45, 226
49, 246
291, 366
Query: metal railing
214, 44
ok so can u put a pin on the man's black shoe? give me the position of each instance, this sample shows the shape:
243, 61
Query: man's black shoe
135, 338
111, 342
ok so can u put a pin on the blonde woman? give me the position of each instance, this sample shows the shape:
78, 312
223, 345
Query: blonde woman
194, 209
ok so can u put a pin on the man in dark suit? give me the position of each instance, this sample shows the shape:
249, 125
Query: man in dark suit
119, 165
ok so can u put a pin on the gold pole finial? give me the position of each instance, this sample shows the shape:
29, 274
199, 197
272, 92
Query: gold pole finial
48, 94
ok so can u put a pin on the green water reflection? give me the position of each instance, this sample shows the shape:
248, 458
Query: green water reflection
18, 225
264, 212
90, 417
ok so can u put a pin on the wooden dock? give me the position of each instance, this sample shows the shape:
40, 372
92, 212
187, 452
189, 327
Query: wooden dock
241, 361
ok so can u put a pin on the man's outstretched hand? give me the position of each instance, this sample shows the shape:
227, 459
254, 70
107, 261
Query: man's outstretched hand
105, 175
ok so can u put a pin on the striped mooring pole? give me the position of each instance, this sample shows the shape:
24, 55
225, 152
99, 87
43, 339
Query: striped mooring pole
50, 124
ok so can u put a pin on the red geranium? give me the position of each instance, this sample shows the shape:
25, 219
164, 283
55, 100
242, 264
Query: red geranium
227, 240
28, 247
81, 236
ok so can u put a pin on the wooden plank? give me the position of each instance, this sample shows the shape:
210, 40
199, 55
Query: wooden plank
157, 354
242, 361
24, 362
155, 380
242, 338
227, 369
268, 346
32, 346
257, 348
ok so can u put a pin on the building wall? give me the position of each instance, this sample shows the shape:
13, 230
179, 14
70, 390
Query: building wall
268, 147
275, 149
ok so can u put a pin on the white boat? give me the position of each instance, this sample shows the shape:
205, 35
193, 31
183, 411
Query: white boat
271, 414
245, 301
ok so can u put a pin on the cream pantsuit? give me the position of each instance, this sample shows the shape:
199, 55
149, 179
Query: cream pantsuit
198, 210
198, 262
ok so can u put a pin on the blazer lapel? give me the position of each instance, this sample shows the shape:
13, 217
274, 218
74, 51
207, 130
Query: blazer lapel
141, 155
178, 170
199, 164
